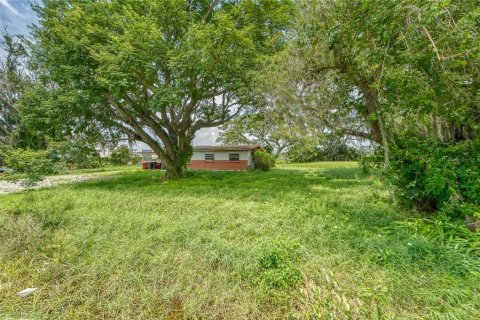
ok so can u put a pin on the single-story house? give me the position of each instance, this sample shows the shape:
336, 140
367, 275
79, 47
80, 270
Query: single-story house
145, 154
232, 157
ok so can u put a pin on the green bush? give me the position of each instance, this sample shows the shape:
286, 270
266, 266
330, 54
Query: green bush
28, 166
433, 176
136, 159
75, 154
121, 156
38, 162
263, 160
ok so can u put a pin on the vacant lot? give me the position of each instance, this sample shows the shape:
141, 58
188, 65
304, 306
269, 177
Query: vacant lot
306, 242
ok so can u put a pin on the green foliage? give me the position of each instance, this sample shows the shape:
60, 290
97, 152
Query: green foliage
265, 127
121, 156
75, 154
402, 74
29, 161
28, 166
448, 233
330, 148
303, 153
276, 268
263, 160
13, 80
48, 115
436, 176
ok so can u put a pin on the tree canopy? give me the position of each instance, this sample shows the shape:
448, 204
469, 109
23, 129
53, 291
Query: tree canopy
158, 70
403, 74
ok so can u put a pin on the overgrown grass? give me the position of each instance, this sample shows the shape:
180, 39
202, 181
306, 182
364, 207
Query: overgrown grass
302, 242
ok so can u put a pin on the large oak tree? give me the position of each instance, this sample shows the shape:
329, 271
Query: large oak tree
158, 70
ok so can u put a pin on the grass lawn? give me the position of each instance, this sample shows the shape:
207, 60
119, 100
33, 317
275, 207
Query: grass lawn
314, 241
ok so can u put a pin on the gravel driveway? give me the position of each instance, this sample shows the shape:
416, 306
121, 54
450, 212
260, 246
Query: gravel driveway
10, 187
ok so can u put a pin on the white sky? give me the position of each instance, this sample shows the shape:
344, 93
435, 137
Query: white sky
17, 15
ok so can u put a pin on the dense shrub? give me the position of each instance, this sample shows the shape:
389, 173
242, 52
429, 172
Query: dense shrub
75, 154
121, 156
27, 165
433, 176
30, 165
29, 161
300, 153
263, 160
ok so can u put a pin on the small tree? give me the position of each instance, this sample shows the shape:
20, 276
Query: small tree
28, 166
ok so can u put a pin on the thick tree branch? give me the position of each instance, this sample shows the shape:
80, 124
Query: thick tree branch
9, 106
435, 49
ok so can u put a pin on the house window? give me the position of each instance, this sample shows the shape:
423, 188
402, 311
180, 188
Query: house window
209, 157
234, 157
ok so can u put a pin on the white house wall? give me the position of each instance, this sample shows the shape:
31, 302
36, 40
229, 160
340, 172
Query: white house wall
224, 155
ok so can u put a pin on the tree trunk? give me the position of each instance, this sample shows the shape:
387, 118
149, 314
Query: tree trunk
376, 122
371, 114
174, 155
384, 134
177, 156
174, 171
436, 129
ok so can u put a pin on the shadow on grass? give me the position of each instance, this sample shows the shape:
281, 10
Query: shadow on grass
343, 190
276, 180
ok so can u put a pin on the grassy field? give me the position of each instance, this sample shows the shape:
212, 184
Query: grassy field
314, 241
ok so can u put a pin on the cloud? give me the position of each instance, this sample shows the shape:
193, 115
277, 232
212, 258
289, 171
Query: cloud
6, 4
15, 17
206, 136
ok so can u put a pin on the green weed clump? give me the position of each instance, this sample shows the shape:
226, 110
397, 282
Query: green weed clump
276, 268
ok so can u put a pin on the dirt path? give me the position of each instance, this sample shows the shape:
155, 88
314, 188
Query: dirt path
10, 187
